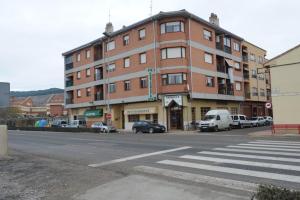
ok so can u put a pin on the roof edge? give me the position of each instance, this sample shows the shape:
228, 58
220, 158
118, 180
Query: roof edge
282, 54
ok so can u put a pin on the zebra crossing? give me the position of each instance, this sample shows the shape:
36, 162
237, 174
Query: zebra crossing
244, 166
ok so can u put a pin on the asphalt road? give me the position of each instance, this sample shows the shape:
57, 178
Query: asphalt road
228, 160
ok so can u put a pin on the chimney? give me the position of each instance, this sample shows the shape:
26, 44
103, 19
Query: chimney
213, 19
109, 28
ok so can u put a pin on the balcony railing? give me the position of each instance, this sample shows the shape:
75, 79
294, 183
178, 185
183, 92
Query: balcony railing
99, 96
246, 75
245, 59
219, 46
221, 68
69, 83
227, 49
225, 90
69, 66
69, 101
255, 94
247, 95
98, 76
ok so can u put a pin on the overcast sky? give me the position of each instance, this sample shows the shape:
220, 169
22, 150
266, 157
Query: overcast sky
34, 33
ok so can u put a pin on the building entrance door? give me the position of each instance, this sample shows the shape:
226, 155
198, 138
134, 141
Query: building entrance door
175, 116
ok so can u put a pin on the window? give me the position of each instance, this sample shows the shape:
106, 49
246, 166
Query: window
133, 118
236, 46
253, 72
203, 111
260, 59
252, 57
234, 111
111, 67
88, 53
262, 92
143, 82
208, 58
177, 52
110, 45
155, 118
143, 58
112, 88
237, 65
227, 42
78, 57
173, 79
207, 35
218, 39
172, 27
126, 85
79, 93
261, 77
238, 86
88, 72
88, 92
210, 81
126, 62
142, 34
254, 91
78, 75
125, 40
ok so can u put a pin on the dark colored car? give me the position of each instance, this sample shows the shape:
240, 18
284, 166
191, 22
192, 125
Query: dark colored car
148, 127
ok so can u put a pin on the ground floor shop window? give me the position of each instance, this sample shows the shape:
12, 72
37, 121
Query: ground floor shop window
204, 110
148, 117
193, 114
133, 118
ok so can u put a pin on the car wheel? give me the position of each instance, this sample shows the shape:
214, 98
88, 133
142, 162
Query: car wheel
151, 130
216, 129
105, 130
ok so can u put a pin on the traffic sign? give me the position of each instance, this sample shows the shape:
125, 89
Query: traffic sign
108, 116
268, 105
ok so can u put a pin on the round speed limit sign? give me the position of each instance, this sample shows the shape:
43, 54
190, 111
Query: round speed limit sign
268, 105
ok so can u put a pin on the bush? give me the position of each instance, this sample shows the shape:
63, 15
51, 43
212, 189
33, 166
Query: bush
271, 192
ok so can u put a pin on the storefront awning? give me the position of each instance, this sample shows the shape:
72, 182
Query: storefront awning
229, 62
93, 113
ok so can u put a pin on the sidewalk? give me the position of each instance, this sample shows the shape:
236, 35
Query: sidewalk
269, 133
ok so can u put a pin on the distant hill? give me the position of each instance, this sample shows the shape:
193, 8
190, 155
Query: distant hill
36, 92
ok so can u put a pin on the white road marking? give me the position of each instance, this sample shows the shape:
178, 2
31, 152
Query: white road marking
250, 156
259, 174
277, 143
270, 145
243, 162
138, 156
259, 152
227, 183
263, 148
280, 141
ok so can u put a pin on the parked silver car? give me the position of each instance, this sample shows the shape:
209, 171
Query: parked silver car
104, 127
269, 120
258, 121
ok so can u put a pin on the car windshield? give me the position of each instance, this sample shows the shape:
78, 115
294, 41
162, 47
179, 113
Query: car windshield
63, 122
254, 118
103, 123
235, 118
209, 117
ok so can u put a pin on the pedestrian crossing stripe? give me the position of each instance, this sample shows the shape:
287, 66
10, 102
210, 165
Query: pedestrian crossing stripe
275, 143
263, 148
243, 162
251, 156
244, 172
271, 145
258, 152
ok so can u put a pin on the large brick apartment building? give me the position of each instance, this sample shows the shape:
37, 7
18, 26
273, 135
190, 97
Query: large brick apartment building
170, 68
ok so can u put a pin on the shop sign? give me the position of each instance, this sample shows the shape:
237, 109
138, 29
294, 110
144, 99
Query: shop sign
140, 111
176, 98
93, 113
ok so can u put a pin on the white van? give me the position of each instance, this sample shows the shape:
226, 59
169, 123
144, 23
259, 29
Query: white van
216, 120
77, 124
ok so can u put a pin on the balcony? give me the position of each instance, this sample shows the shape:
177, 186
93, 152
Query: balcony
227, 49
98, 76
221, 68
246, 75
69, 101
68, 66
99, 96
98, 52
247, 95
225, 89
245, 58
69, 83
